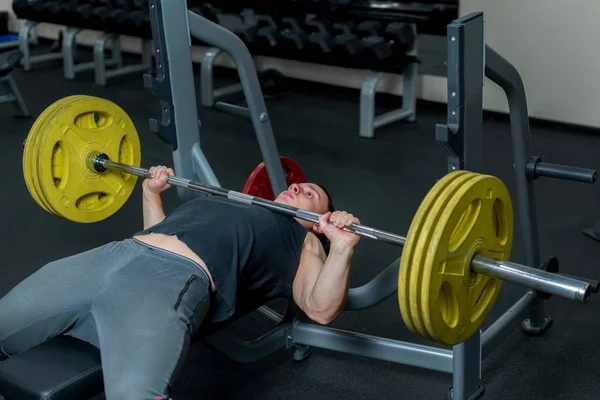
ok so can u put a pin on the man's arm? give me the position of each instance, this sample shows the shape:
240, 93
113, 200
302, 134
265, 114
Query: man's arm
152, 209
322, 282
152, 188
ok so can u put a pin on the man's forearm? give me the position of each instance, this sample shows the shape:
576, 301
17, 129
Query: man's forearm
328, 295
152, 209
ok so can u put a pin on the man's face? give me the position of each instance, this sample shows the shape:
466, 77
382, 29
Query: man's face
307, 196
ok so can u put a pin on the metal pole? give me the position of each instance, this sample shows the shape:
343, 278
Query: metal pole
100, 163
534, 278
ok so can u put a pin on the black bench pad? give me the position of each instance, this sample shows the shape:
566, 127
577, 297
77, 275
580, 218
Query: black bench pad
62, 368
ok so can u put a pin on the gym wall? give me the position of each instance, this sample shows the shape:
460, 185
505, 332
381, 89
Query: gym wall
552, 44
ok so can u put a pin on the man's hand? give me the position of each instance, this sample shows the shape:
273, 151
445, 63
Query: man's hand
158, 183
334, 230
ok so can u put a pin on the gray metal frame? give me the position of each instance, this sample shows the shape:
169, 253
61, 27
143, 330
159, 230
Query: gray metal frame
465, 115
27, 37
466, 52
13, 95
102, 73
368, 120
104, 68
208, 93
503, 73
219, 37
175, 85
69, 52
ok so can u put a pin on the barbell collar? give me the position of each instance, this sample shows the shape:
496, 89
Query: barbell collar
534, 278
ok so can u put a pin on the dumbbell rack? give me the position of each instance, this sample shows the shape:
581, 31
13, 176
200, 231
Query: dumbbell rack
112, 18
468, 58
327, 40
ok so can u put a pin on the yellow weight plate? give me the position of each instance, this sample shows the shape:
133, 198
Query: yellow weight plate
28, 152
415, 286
48, 126
477, 220
59, 107
86, 127
83, 121
42, 129
28, 157
406, 260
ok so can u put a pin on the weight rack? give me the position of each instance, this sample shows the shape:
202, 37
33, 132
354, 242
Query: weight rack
469, 62
369, 121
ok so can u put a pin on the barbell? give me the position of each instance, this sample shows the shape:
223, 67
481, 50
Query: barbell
81, 161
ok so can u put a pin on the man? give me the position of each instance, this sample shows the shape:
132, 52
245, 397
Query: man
141, 300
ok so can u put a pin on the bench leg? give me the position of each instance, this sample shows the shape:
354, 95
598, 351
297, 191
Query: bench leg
69, 52
25, 33
13, 95
367, 104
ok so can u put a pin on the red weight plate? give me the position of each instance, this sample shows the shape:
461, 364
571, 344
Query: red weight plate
258, 183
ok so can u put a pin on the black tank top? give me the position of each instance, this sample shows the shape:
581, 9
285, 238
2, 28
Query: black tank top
251, 252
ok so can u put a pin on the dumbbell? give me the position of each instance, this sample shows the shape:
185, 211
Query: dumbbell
294, 34
372, 47
268, 31
57, 7
110, 4
100, 14
134, 17
311, 36
124, 4
370, 28
321, 25
401, 36
348, 44
320, 37
118, 16
133, 5
322, 42
247, 29
93, 8
376, 47
85, 11
346, 27
247, 33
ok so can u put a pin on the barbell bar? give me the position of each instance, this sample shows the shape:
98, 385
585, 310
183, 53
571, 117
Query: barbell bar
537, 279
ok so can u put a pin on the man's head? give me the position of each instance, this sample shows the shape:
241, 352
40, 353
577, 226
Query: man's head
307, 196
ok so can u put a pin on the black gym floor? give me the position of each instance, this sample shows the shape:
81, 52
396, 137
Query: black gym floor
382, 181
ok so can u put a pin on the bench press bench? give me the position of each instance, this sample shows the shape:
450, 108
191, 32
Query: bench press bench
65, 368
59, 369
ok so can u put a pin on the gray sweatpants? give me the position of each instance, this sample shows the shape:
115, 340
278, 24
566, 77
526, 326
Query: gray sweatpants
138, 304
